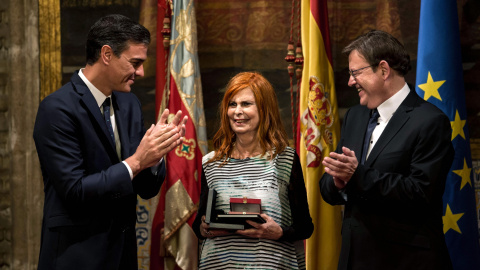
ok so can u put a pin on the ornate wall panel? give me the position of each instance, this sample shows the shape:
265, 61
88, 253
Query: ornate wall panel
243, 33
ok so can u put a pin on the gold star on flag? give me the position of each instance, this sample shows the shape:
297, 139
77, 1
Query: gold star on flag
457, 126
431, 88
465, 174
450, 221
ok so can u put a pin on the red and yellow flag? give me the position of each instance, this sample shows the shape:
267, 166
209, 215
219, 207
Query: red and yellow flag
174, 244
319, 133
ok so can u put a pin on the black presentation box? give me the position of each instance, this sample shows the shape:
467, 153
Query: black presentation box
219, 220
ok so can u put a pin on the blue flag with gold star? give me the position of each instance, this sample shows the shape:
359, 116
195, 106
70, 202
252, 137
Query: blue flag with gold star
440, 81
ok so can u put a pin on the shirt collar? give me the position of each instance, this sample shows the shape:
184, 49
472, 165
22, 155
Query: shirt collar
97, 94
389, 106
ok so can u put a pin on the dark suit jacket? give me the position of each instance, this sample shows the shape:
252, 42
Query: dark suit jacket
393, 212
90, 201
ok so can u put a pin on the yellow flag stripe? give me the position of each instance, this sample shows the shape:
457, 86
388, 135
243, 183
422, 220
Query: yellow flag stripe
323, 248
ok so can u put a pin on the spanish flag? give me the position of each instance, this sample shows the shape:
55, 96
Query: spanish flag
319, 133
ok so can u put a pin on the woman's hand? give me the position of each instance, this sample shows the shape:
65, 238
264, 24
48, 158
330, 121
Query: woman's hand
209, 233
268, 230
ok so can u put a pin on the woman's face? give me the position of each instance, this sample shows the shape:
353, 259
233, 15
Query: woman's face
243, 113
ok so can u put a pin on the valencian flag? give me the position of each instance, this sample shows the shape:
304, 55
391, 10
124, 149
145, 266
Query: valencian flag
319, 133
440, 81
174, 244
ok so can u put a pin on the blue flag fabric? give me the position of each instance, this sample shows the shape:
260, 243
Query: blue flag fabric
440, 81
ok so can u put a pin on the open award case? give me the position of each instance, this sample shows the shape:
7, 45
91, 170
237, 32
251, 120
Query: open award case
241, 210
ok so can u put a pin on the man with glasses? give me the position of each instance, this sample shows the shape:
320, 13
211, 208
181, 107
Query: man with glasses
390, 166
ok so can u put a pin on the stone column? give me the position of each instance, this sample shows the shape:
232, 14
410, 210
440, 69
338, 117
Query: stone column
21, 186
5, 202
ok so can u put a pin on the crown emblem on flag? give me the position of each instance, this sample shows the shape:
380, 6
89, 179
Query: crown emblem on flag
319, 104
316, 121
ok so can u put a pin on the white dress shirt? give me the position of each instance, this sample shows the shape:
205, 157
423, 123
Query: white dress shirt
386, 111
100, 98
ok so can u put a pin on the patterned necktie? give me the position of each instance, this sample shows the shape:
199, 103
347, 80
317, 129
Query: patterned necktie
106, 116
371, 126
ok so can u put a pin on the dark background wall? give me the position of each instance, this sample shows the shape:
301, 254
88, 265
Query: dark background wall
240, 35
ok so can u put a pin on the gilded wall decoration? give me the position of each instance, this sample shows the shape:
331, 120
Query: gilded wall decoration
50, 47
148, 18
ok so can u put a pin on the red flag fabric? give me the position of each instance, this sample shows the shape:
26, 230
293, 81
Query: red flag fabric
174, 244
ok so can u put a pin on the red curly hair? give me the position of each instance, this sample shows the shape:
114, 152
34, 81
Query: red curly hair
271, 133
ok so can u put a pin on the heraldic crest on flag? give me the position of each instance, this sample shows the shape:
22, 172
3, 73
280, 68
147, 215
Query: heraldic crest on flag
186, 149
317, 119
319, 127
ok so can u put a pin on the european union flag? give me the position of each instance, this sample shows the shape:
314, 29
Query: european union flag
440, 81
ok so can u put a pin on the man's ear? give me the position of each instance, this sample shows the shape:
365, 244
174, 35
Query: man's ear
385, 68
106, 54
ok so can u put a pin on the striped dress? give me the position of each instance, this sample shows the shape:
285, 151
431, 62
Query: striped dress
257, 178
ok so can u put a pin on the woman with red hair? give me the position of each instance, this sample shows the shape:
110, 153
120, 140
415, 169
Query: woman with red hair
251, 158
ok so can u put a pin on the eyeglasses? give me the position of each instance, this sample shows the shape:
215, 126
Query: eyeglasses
353, 72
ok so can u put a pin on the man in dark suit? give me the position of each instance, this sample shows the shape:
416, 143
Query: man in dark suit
95, 155
392, 188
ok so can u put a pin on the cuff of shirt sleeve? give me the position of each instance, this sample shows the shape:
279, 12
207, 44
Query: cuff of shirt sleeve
129, 169
155, 167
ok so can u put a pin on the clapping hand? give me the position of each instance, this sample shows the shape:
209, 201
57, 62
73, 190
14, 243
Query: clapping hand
163, 124
341, 166
158, 141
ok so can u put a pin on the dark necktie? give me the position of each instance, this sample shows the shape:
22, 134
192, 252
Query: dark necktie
106, 116
372, 122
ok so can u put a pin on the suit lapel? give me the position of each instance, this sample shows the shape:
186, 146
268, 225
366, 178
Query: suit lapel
92, 106
399, 118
